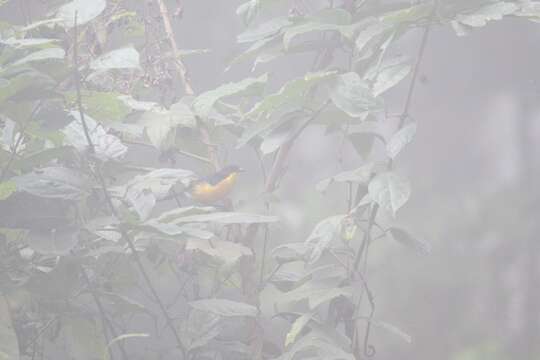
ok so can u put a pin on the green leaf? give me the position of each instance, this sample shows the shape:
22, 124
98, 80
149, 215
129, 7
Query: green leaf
105, 107
55, 242
226, 308
390, 191
325, 20
224, 252
486, 13
359, 175
372, 29
53, 182
390, 73
292, 93
204, 103
408, 14
28, 42
124, 58
406, 239
228, 218
322, 235
84, 9
106, 146
353, 95
143, 191
264, 30
43, 55
9, 346
121, 338
400, 139
298, 325
7, 188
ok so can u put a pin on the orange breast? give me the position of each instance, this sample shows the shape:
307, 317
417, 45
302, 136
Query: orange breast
208, 193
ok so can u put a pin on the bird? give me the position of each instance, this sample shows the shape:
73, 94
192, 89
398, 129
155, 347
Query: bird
215, 187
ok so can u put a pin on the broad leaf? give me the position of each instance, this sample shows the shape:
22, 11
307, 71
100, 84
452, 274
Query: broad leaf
224, 252
298, 325
84, 10
106, 146
43, 55
204, 103
292, 93
322, 235
389, 74
400, 139
486, 13
390, 191
264, 30
53, 182
353, 95
125, 58
360, 175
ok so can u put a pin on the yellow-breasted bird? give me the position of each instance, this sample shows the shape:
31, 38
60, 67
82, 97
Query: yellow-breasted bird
213, 188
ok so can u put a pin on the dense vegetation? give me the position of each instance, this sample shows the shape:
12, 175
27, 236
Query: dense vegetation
103, 255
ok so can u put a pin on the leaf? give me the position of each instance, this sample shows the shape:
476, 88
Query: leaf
299, 324
9, 346
105, 107
400, 139
353, 95
56, 242
106, 146
390, 191
360, 175
394, 330
325, 20
290, 252
486, 13
53, 182
7, 188
204, 103
322, 235
372, 29
43, 55
228, 218
390, 73
159, 124
121, 338
225, 252
404, 238
408, 14
264, 30
124, 58
143, 191
28, 42
226, 308
84, 9
292, 92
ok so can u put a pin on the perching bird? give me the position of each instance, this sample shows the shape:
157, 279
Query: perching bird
215, 187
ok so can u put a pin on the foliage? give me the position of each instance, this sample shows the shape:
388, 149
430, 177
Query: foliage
93, 240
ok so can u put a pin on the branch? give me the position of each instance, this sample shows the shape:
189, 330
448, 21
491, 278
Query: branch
181, 68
